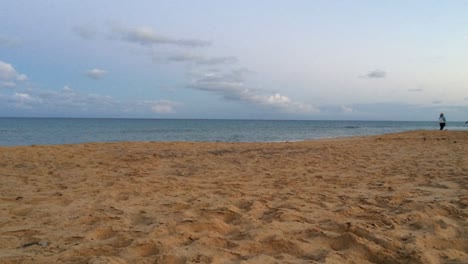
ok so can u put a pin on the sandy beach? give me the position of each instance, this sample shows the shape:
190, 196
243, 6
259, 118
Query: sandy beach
396, 198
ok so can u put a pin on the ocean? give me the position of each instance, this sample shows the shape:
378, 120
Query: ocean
39, 131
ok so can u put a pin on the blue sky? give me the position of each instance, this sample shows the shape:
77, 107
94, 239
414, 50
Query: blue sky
370, 60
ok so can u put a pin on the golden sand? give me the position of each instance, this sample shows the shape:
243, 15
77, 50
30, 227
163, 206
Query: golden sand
397, 198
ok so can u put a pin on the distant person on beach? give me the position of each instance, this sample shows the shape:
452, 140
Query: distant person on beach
442, 121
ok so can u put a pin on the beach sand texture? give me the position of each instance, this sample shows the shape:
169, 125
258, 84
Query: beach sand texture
397, 198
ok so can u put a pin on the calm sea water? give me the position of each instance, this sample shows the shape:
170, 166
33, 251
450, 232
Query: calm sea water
28, 131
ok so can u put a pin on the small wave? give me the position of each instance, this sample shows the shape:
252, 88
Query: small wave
351, 127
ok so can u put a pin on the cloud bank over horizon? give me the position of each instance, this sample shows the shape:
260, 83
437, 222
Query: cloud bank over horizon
70, 102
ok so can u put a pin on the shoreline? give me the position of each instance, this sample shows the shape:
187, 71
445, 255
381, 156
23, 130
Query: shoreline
233, 142
63, 131
398, 197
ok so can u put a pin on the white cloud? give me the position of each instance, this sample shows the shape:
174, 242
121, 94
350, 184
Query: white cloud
225, 83
347, 109
67, 88
9, 77
376, 74
21, 77
25, 100
437, 102
7, 84
200, 60
147, 37
96, 73
163, 106
416, 90
23, 97
7, 72
278, 99
231, 85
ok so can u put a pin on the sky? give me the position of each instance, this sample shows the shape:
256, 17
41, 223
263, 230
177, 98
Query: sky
305, 60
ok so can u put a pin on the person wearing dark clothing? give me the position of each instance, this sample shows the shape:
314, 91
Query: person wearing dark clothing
442, 121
